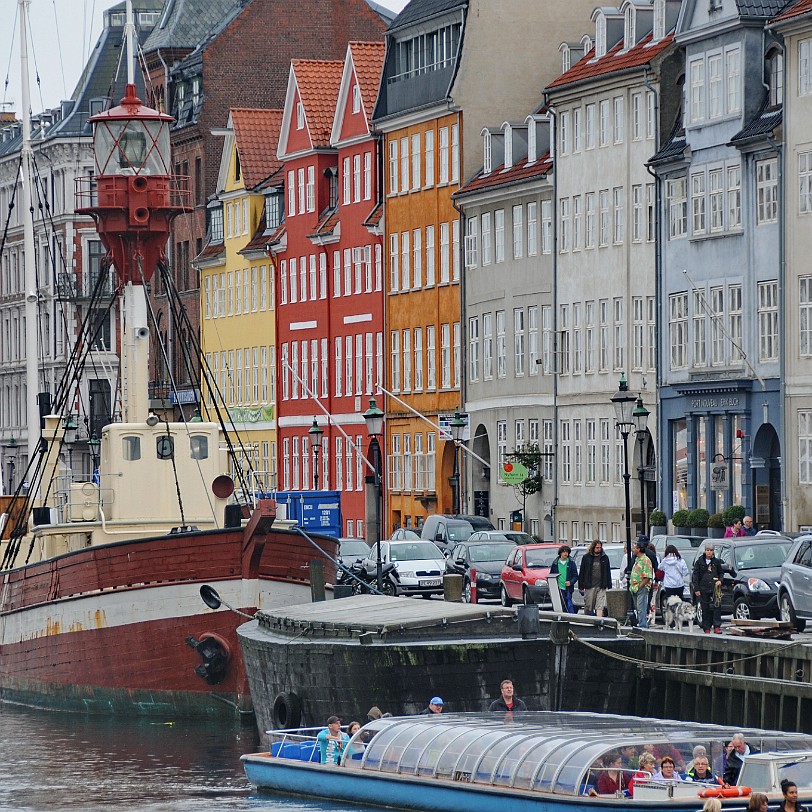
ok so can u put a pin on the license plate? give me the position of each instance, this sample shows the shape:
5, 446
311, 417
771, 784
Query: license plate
429, 582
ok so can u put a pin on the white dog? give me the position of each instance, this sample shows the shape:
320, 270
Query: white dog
678, 612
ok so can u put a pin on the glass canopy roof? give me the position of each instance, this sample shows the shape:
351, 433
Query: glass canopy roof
536, 750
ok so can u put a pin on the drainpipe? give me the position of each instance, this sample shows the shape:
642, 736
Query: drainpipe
463, 340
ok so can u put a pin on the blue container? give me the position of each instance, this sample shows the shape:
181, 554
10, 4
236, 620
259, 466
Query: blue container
318, 511
309, 751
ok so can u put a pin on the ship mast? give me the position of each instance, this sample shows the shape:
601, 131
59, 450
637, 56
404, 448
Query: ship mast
31, 288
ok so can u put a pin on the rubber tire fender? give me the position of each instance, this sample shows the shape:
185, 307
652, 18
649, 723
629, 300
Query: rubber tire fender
287, 711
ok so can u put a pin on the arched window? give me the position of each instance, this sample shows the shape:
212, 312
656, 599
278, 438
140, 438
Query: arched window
566, 58
531, 141
487, 152
659, 20
600, 36
775, 62
508, 146
629, 17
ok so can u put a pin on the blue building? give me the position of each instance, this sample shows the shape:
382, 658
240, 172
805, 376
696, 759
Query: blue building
719, 265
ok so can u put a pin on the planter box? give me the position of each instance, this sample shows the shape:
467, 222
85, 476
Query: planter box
716, 532
657, 530
698, 531
683, 531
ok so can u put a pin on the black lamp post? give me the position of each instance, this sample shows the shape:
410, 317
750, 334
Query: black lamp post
374, 420
94, 444
71, 429
640, 417
623, 401
458, 425
316, 433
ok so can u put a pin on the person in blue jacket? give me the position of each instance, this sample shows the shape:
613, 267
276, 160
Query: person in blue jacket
564, 567
332, 742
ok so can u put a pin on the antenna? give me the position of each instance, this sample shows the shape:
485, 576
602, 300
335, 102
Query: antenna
129, 35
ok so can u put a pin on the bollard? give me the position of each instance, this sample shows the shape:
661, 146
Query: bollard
317, 592
560, 632
342, 591
472, 581
452, 587
618, 603
528, 621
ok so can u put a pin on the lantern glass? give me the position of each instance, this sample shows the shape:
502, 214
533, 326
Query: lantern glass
131, 147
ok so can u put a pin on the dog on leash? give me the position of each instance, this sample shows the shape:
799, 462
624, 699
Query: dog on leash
678, 612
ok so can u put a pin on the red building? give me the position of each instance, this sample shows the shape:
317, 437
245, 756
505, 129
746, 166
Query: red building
329, 275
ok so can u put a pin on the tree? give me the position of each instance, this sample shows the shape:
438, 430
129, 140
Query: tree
531, 457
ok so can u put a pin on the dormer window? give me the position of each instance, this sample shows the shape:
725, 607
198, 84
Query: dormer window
356, 99
300, 116
508, 146
775, 61
531, 142
659, 20
486, 146
195, 90
586, 43
566, 58
600, 36
273, 210
628, 27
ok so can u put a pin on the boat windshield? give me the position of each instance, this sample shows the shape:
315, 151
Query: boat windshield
556, 752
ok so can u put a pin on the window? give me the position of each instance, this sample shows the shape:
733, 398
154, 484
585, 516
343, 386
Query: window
428, 142
734, 197
637, 213
717, 319
714, 86
604, 345
733, 69
416, 161
604, 219
564, 339
356, 99
637, 116
804, 67
677, 208
418, 359
805, 447
501, 349
767, 191
619, 199
546, 226
577, 340
619, 119
768, 321
407, 360
805, 315
395, 356
577, 223
323, 275
638, 332
501, 444
532, 340
487, 157
445, 356
734, 293
518, 342
487, 346
699, 321
532, 229
650, 212
716, 200
431, 263
606, 458
417, 258
590, 126
518, 236
499, 233
678, 329
444, 253
431, 357
367, 175
300, 182
473, 349
443, 156
620, 337
405, 257
487, 254
393, 166
564, 127
394, 262
651, 115
565, 238
356, 178
300, 116
629, 17
404, 165
698, 203
604, 133
578, 457
589, 359
696, 79
549, 455
805, 181
589, 237
455, 251
547, 345
566, 452
455, 153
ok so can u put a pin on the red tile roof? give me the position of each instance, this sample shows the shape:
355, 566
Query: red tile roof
367, 57
375, 216
327, 224
615, 60
257, 135
794, 10
212, 250
502, 177
259, 240
318, 81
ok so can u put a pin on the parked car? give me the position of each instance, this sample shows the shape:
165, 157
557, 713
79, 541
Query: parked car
680, 542
404, 533
617, 556
487, 558
420, 565
795, 586
352, 550
444, 530
513, 536
750, 587
524, 574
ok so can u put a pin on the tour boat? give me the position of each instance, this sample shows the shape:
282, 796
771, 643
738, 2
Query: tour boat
525, 762
100, 581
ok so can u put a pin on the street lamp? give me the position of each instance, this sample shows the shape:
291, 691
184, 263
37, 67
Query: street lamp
94, 444
458, 425
623, 401
374, 420
640, 417
316, 433
71, 429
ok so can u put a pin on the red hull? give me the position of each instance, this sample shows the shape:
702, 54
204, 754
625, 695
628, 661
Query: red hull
105, 629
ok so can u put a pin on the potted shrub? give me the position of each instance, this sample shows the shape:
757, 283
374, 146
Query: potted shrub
680, 522
732, 514
657, 523
698, 521
716, 526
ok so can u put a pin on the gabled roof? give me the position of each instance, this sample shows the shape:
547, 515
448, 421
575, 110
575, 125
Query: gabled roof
615, 61
794, 10
184, 24
367, 57
500, 177
419, 10
257, 136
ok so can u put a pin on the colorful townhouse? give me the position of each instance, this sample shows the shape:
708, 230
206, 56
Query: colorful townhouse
238, 330
329, 266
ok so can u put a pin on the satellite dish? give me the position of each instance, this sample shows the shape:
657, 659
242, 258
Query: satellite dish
210, 596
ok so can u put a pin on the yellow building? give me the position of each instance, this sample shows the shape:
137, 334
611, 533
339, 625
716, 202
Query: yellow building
237, 320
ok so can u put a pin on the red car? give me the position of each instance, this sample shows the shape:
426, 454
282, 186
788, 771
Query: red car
524, 574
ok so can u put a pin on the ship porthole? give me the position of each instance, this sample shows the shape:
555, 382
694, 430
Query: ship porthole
287, 711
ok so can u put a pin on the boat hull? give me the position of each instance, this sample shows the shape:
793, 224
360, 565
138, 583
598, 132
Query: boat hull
287, 776
109, 629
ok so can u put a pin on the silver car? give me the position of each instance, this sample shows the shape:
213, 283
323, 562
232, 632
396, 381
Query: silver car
616, 552
795, 586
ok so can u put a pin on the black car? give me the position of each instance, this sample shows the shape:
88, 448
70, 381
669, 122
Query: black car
750, 587
487, 558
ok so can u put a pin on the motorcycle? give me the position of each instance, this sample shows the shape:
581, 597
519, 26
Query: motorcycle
365, 579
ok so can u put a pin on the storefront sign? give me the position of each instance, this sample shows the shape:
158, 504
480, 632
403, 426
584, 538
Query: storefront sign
720, 474
727, 402
514, 473
260, 414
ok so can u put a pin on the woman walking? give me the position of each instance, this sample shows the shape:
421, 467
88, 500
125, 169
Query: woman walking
707, 585
675, 573
595, 578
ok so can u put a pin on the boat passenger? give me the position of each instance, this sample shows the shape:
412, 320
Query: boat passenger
720, 762
611, 780
735, 758
699, 750
566, 570
712, 805
374, 713
790, 802
701, 771
353, 728
758, 802
595, 578
358, 746
332, 741
629, 754
435, 706
646, 764
667, 772
508, 702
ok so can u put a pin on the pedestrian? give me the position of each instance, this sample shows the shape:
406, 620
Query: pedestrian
640, 582
651, 552
749, 529
564, 567
735, 530
706, 583
675, 574
332, 741
508, 701
435, 706
595, 578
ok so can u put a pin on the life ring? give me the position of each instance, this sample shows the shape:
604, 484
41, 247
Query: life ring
287, 711
724, 792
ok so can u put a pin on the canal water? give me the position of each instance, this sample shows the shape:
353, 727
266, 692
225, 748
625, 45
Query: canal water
51, 762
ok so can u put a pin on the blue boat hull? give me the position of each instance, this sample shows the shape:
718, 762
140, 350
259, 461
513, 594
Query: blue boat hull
429, 795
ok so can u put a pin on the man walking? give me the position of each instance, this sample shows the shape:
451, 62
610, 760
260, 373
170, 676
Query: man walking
508, 701
640, 582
